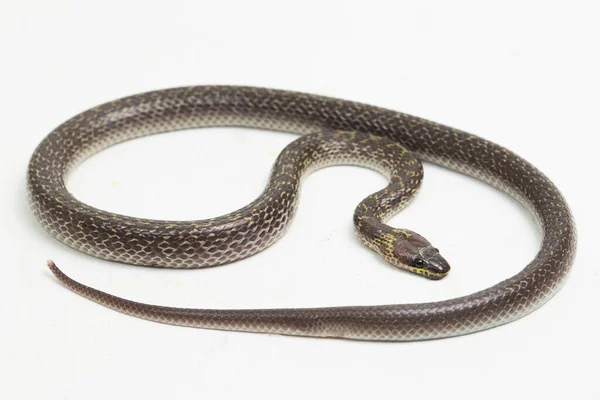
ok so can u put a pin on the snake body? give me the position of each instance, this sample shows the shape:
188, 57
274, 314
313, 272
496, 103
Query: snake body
336, 132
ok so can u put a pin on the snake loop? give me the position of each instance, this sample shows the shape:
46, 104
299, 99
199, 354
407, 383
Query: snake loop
337, 132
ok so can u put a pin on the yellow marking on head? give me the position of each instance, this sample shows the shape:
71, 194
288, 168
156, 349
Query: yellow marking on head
424, 272
385, 244
402, 231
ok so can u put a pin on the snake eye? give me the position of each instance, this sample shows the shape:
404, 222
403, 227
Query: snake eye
419, 263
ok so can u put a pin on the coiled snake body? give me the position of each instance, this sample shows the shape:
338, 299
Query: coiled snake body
336, 132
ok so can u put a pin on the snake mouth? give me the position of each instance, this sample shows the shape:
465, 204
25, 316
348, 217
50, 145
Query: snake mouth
429, 274
434, 276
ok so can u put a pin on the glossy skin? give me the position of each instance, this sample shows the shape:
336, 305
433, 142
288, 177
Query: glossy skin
237, 235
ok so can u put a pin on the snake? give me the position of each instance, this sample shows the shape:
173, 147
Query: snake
331, 132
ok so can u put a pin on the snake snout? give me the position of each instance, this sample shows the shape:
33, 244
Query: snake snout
438, 265
434, 263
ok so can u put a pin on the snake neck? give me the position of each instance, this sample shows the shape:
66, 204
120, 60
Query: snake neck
371, 215
376, 235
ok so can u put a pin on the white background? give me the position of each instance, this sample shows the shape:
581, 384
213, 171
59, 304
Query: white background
523, 74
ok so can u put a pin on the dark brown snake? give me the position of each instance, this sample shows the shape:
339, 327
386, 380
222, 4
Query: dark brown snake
336, 132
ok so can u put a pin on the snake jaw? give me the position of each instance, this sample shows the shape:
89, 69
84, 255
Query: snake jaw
434, 273
430, 274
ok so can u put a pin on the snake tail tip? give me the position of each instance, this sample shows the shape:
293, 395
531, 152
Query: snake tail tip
53, 268
61, 276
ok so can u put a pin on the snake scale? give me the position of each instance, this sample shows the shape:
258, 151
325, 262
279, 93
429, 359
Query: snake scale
334, 132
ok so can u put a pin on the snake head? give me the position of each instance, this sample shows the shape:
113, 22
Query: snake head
414, 253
